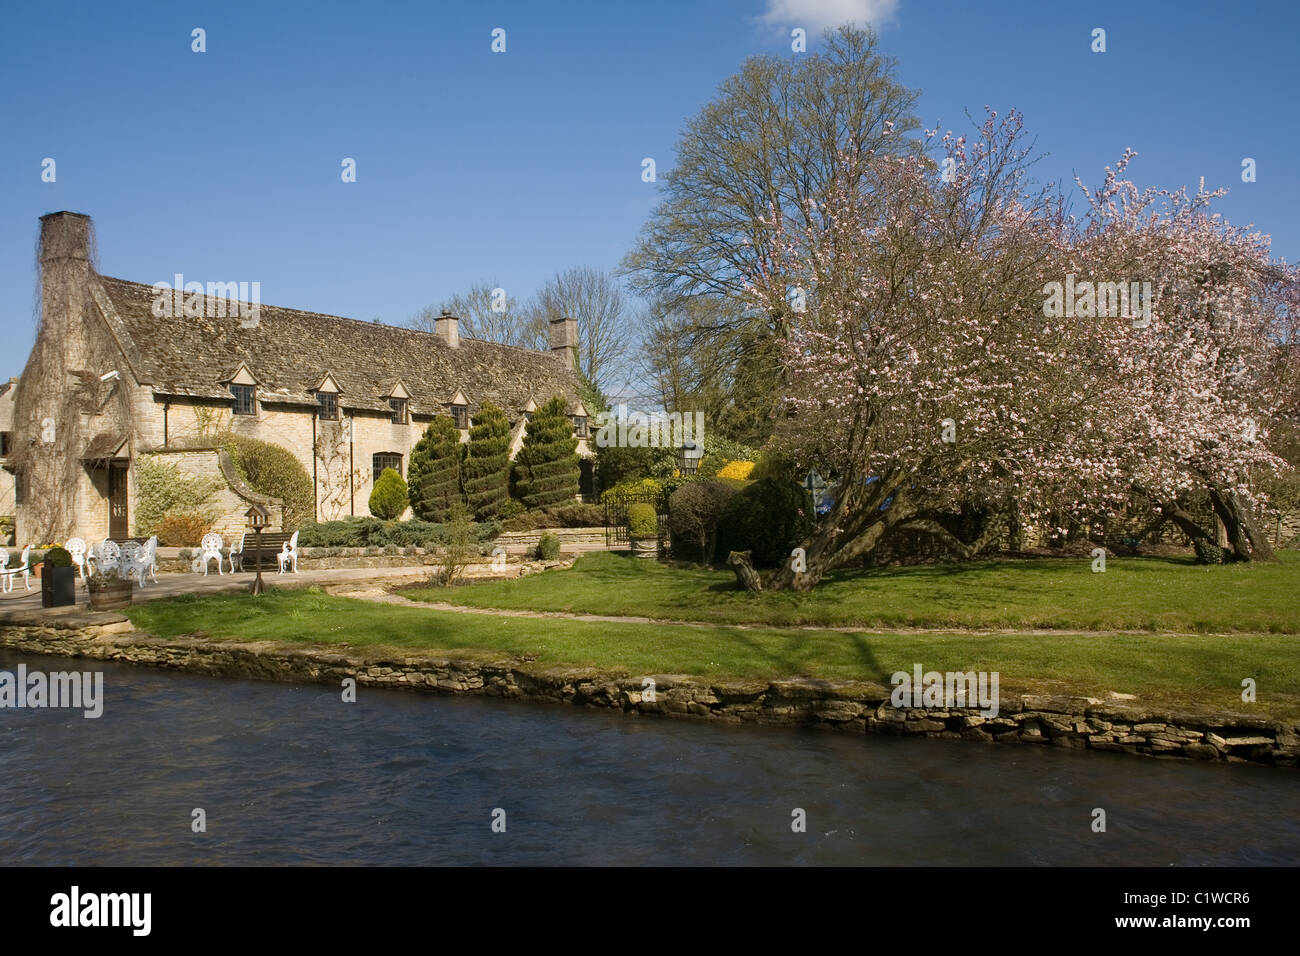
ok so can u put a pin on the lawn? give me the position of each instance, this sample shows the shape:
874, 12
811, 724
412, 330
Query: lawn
1180, 671
1171, 595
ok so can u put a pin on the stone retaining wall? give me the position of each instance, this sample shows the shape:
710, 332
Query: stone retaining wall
1078, 723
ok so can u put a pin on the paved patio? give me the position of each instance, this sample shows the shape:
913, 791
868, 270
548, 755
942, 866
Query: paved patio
170, 585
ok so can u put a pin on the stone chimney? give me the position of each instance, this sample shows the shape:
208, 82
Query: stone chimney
447, 328
564, 339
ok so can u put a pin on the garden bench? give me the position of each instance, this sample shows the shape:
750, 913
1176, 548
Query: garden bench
273, 543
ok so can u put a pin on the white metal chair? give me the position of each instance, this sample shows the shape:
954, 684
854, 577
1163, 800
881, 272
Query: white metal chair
236, 555
130, 554
77, 548
108, 556
145, 561
211, 546
24, 568
289, 554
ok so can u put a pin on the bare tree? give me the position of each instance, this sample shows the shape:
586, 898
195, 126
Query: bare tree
486, 312
596, 301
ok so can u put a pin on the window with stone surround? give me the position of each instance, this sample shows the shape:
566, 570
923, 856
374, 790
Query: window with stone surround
398, 405
580, 426
460, 415
386, 460
327, 406
245, 399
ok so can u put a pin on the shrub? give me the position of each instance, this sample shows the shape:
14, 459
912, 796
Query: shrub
548, 547
373, 533
511, 508
58, 557
165, 493
182, 530
546, 468
1207, 552
274, 471
434, 472
770, 517
736, 469
694, 510
486, 470
633, 488
458, 544
565, 516
388, 497
642, 522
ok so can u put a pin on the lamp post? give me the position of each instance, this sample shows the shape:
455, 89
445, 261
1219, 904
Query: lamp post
258, 518
688, 457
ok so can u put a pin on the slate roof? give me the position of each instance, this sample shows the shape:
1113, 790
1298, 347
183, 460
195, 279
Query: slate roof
289, 352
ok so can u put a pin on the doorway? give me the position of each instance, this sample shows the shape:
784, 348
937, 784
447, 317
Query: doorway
117, 516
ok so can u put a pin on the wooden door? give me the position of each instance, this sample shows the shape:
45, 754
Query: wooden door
117, 517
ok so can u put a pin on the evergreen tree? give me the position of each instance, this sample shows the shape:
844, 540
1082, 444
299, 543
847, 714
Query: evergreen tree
546, 469
486, 471
388, 498
434, 473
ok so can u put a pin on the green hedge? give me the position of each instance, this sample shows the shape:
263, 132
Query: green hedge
373, 533
273, 470
770, 518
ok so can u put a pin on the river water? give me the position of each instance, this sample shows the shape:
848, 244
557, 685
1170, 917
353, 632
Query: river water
290, 774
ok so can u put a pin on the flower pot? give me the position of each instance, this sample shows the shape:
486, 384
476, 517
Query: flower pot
112, 596
58, 586
645, 549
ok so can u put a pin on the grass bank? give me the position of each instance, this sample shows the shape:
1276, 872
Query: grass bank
1140, 594
1174, 670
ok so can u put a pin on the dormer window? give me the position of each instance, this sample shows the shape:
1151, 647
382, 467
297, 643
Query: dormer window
460, 415
245, 399
400, 415
580, 426
327, 406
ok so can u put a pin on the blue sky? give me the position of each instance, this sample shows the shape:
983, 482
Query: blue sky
474, 165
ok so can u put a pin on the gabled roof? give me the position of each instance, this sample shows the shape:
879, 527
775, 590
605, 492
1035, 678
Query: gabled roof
290, 352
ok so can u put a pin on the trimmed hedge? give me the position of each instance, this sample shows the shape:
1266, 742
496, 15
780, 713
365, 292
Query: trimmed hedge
565, 516
272, 470
373, 533
548, 547
642, 522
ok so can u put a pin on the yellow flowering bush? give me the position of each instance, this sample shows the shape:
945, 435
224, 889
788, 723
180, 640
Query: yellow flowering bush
736, 469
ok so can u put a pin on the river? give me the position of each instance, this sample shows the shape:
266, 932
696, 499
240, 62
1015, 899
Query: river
289, 774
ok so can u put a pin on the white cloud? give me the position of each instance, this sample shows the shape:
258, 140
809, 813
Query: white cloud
816, 15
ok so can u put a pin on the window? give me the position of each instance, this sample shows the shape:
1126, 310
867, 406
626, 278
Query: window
386, 460
398, 405
20, 487
580, 425
4, 444
327, 405
245, 399
460, 415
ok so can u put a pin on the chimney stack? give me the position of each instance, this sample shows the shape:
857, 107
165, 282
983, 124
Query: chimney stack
65, 236
564, 338
447, 328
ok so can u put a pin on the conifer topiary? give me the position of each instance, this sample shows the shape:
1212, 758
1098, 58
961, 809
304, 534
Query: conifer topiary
486, 471
434, 473
546, 469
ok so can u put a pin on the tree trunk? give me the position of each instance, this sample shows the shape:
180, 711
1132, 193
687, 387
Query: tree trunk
743, 564
1247, 541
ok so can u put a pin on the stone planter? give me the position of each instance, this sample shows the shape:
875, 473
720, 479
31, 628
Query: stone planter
58, 586
111, 597
645, 549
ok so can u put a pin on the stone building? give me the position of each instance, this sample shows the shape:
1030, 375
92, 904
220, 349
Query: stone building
117, 374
